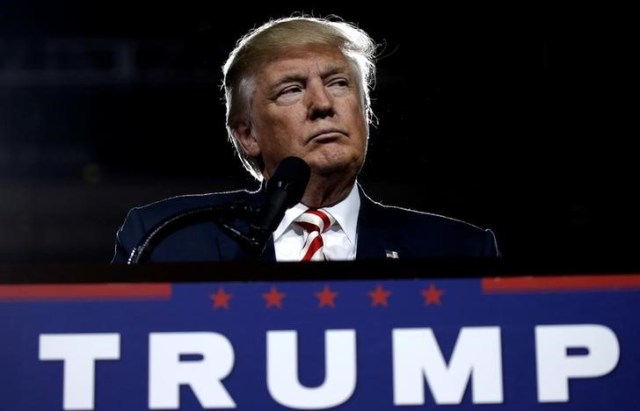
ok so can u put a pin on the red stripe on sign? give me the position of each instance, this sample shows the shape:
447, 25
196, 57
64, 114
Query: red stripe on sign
561, 283
20, 292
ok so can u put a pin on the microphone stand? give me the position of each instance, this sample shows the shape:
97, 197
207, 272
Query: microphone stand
287, 186
255, 242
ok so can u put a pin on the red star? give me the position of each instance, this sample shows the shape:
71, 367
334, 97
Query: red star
432, 295
220, 299
379, 296
273, 297
326, 297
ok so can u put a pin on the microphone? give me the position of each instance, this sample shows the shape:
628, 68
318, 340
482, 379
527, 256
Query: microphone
284, 190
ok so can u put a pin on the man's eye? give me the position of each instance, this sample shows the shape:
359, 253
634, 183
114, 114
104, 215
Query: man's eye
290, 90
339, 83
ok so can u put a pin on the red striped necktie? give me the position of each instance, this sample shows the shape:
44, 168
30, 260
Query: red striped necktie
314, 222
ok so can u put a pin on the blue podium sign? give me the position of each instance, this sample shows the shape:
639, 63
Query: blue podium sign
504, 343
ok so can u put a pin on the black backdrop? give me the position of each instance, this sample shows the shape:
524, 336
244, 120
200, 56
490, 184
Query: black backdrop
514, 118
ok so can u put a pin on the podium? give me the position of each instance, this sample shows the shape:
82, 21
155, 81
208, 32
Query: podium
385, 335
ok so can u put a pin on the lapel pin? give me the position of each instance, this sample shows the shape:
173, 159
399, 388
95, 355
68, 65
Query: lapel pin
391, 254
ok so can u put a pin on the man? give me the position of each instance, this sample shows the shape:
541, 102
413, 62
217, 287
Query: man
300, 87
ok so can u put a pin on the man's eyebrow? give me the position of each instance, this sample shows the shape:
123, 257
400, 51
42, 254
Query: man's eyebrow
300, 77
337, 69
288, 78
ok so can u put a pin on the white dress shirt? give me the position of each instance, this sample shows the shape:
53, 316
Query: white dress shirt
340, 242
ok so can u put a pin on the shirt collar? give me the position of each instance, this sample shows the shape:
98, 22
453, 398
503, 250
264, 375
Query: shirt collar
345, 212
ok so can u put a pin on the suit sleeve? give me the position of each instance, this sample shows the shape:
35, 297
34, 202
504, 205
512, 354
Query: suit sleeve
128, 236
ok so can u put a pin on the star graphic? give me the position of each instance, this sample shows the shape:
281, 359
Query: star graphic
220, 299
432, 295
379, 296
273, 297
326, 297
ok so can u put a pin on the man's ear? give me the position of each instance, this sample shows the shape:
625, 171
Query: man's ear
243, 133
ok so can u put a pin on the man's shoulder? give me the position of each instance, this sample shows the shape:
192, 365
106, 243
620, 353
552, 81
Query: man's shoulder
193, 240
420, 234
407, 216
178, 204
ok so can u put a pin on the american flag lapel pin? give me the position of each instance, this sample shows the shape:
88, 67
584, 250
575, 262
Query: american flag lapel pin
393, 255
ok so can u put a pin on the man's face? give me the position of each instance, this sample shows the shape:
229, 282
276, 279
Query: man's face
307, 103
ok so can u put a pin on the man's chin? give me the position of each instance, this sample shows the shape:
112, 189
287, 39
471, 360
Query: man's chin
333, 158
335, 168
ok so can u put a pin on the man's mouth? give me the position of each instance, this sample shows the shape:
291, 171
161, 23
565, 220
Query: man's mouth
326, 135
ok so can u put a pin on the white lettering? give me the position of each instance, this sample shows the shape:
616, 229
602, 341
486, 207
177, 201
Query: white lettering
477, 354
555, 365
79, 352
167, 371
282, 370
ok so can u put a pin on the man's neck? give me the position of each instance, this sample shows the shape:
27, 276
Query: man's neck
323, 192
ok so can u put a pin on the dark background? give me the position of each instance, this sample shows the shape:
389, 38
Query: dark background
517, 119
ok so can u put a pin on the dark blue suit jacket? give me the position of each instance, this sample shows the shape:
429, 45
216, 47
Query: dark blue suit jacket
382, 230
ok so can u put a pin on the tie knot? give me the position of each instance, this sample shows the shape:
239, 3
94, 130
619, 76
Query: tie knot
315, 220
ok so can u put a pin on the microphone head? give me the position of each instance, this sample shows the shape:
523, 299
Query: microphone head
292, 176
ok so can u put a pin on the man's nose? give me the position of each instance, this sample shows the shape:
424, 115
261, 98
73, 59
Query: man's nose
320, 101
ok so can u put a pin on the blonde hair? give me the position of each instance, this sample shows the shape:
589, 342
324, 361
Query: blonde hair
261, 43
